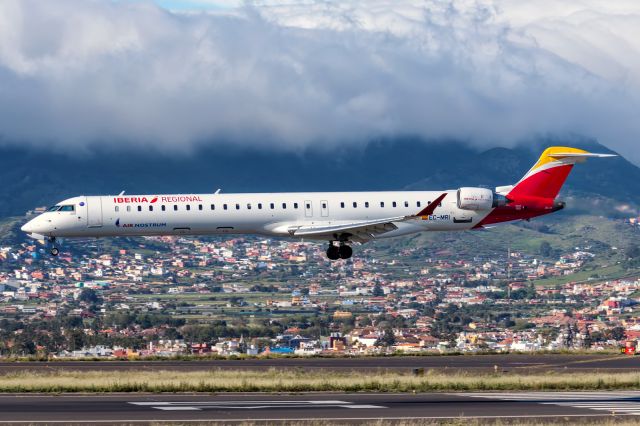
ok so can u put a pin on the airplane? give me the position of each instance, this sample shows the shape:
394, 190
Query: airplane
341, 218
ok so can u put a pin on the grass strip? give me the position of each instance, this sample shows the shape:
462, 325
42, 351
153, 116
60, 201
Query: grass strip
298, 380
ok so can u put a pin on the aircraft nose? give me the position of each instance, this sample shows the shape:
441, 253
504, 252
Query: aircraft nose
27, 227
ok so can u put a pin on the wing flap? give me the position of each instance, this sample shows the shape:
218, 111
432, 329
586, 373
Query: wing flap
376, 226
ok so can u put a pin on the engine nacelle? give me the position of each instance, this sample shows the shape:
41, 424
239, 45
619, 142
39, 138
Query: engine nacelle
475, 199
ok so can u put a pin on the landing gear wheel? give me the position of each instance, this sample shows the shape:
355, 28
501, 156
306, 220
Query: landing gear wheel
54, 251
345, 252
333, 252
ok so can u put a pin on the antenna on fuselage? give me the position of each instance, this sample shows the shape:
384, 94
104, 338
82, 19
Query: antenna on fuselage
217, 191
121, 194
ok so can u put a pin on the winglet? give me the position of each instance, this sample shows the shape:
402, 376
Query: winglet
427, 211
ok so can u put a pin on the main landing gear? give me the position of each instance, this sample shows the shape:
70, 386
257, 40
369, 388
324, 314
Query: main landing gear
342, 251
54, 250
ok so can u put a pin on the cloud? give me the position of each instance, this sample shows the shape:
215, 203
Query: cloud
74, 73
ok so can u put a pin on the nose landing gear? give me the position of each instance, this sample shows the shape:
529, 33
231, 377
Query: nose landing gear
339, 252
54, 250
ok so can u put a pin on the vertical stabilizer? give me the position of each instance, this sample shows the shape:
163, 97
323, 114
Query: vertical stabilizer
547, 176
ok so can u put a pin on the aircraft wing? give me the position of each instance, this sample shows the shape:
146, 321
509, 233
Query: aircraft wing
361, 231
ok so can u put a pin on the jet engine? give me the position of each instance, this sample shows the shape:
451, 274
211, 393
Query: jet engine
475, 199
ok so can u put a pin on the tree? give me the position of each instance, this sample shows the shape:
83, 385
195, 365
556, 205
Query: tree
531, 291
545, 249
568, 337
88, 295
586, 341
377, 290
617, 333
387, 339
75, 339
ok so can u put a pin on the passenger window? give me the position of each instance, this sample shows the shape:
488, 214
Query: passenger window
163, 208
199, 206
117, 209
150, 208
395, 204
259, 206
139, 208
308, 206
324, 205
366, 204
224, 206
406, 204
382, 204
428, 203
213, 206
248, 206
67, 208
128, 208
237, 206
295, 205
342, 205
175, 207
273, 206
284, 206
188, 207
418, 204
355, 204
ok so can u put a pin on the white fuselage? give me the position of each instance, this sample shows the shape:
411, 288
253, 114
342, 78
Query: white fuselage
274, 214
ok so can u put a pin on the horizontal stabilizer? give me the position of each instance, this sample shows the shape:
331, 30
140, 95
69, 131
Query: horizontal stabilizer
579, 155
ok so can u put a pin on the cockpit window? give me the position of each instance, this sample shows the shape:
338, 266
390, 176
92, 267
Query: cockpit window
53, 208
68, 208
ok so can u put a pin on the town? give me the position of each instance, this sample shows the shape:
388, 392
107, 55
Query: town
178, 296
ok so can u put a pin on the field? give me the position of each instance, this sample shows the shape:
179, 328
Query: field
299, 380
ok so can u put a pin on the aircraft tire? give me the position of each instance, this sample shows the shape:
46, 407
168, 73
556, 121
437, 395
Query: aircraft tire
333, 252
54, 251
345, 252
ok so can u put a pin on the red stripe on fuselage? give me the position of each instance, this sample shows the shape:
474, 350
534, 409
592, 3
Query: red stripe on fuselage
508, 214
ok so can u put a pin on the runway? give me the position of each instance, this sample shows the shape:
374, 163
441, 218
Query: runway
461, 362
227, 408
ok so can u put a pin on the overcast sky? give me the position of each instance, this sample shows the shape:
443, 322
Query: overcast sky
174, 74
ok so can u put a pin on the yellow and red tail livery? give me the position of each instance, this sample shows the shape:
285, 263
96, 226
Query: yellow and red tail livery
535, 194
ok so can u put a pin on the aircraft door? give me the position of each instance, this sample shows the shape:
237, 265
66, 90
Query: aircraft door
308, 208
94, 212
324, 208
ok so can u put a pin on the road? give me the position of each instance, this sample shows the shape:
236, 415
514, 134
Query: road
524, 363
92, 409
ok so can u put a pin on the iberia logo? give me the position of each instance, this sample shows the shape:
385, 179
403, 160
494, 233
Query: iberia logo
127, 200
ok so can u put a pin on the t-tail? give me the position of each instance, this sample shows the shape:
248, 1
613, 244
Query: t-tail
535, 194
546, 177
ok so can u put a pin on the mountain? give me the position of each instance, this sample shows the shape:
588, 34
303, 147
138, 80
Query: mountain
39, 177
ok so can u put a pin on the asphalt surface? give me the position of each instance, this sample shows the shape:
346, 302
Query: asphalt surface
522, 363
227, 408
